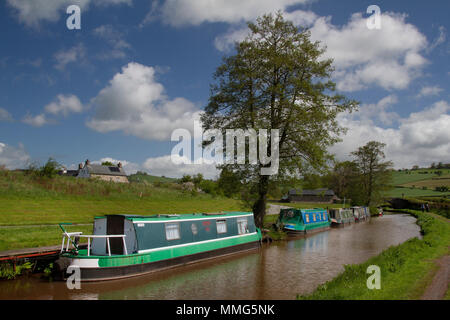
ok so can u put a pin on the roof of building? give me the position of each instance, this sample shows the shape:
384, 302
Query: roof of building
105, 170
317, 192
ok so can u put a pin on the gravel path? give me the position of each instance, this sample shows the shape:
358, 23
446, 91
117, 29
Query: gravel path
439, 286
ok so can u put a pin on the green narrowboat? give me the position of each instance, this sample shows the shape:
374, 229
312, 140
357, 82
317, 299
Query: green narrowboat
130, 245
341, 216
301, 221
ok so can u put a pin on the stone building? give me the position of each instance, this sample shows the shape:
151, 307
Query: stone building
106, 173
318, 195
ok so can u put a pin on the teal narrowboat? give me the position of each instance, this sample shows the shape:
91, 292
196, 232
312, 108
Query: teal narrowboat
341, 216
301, 221
130, 245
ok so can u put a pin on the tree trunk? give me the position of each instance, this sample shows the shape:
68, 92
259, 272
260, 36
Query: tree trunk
259, 208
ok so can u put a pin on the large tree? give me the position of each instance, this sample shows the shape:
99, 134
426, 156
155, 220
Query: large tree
278, 79
374, 173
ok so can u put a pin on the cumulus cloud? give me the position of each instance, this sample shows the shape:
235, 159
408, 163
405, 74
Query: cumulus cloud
115, 39
13, 157
64, 104
5, 116
32, 13
377, 112
420, 139
135, 103
74, 54
36, 121
429, 91
389, 58
164, 166
188, 12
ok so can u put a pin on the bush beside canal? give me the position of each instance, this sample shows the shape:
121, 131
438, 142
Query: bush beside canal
406, 269
11, 271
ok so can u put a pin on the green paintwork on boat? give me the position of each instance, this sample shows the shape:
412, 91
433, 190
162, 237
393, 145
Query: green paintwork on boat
303, 220
153, 245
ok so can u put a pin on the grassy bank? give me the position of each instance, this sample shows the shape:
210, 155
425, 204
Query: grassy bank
34, 205
406, 269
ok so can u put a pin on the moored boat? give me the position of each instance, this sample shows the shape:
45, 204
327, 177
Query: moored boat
361, 213
130, 245
302, 221
341, 216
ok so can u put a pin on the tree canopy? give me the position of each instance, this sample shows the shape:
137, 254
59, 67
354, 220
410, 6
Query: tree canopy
278, 79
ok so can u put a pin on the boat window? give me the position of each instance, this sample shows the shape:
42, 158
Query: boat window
242, 225
172, 231
324, 215
314, 217
307, 218
221, 226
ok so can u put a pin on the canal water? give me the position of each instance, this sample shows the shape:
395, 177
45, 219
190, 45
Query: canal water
280, 270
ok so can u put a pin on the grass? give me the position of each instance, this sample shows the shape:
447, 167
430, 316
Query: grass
405, 269
404, 181
33, 237
26, 201
399, 192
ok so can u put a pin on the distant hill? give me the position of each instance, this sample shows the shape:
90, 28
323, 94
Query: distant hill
140, 177
421, 182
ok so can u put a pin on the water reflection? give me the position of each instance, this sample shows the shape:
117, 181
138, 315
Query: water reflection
277, 271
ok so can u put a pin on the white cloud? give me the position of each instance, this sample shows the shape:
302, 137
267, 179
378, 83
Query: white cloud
429, 91
135, 103
188, 12
164, 166
32, 12
439, 40
115, 39
390, 57
5, 116
12, 157
74, 54
36, 121
421, 138
64, 104
377, 112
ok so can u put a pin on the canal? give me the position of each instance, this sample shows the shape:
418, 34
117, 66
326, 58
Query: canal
280, 270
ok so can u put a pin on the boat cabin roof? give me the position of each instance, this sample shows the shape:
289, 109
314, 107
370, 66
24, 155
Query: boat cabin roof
176, 217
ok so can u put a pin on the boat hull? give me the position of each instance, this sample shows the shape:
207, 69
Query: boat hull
127, 271
293, 232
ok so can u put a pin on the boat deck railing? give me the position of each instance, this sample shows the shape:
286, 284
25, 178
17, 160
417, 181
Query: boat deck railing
73, 237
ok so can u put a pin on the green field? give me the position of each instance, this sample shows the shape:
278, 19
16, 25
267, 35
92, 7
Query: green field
34, 205
419, 183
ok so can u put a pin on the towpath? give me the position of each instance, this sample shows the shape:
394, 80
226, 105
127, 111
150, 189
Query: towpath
439, 286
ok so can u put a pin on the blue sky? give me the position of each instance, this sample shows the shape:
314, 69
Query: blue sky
137, 70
